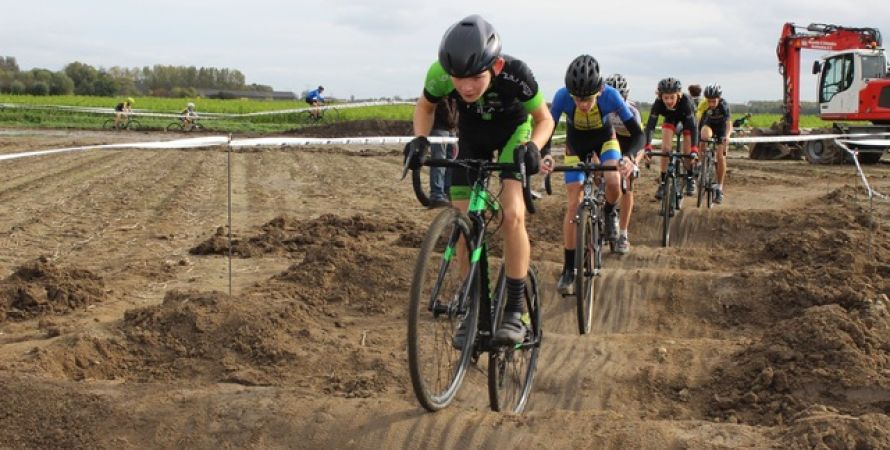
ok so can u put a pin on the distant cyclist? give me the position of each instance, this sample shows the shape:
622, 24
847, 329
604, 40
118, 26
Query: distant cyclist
188, 115
742, 122
716, 121
122, 110
316, 100
677, 109
694, 93
626, 140
587, 102
500, 110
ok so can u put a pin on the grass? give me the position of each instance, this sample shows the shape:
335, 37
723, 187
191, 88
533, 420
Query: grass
56, 118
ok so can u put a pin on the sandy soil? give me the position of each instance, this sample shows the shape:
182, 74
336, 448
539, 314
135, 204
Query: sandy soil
765, 325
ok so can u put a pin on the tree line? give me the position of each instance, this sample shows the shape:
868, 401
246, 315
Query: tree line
84, 79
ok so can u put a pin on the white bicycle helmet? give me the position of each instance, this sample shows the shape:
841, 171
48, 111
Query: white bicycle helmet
618, 82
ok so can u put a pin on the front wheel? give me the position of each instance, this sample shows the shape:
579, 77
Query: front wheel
588, 253
511, 370
439, 301
667, 210
133, 124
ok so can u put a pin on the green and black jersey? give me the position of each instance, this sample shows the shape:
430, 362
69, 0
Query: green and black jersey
512, 95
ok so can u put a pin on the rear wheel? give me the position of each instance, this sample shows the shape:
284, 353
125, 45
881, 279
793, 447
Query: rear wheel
511, 370
587, 253
174, 126
108, 124
438, 303
822, 152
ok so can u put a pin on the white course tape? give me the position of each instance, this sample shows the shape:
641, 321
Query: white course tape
855, 154
208, 141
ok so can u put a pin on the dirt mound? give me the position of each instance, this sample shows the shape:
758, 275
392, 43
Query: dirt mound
822, 427
210, 337
355, 276
42, 288
827, 355
285, 235
39, 414
357, 128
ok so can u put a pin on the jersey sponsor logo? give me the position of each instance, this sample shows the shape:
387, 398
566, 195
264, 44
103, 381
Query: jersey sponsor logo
591, 120
527, 90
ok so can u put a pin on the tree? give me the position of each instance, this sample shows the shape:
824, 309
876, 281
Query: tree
8, 64
17, 87
83, 76
61, 84
39, 88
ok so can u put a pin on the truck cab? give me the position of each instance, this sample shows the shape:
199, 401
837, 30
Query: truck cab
854, 85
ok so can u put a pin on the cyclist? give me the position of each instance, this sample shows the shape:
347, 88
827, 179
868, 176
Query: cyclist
625, 140
717, 122
122, 110
587, 102
188, 115
694, 94
315, 100
742, 122
676, 108
500, 109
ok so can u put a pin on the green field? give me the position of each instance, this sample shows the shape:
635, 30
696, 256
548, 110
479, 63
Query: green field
58, 118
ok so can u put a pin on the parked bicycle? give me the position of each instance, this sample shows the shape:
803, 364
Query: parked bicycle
181, 125
129, 123
451, 284
589, 238
707, 173
672, 199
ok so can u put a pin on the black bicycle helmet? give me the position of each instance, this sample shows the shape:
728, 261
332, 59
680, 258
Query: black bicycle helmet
669, 85
583, 76
713, 91
618, 82
469, 47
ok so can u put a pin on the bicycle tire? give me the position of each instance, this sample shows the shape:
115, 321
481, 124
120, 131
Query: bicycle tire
175, 126
511, 370
712, 177
419, 191
331, 115
133, 125
108, 125
587, 251
435, 278
305, 118
702, 181
667, 204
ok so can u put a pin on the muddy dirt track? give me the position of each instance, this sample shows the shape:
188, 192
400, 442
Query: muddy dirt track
766, 325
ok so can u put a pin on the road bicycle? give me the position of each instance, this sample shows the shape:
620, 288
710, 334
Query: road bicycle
672, 198
451, 285
323, 114
126, 123
180, 125
707, 173
590, 223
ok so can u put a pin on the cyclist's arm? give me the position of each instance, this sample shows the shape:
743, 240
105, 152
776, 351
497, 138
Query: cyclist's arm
556, 110
424, 114
614, 102
543, 127
690, 124
651, 122
638, 140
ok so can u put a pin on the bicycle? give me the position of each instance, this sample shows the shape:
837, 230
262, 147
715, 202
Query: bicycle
180, 125
324, 114
672, 198
707, 173
589, 238
444, 294
127, 123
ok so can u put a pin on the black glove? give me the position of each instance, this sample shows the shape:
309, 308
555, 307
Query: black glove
532, 157
416, 150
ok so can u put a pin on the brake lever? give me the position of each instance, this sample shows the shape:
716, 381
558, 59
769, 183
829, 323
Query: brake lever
407, 162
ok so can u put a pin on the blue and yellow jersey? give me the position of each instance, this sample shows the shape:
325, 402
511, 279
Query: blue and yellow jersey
607, 102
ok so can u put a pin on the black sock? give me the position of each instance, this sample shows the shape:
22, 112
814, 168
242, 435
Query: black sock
663, 176
515, 295
608, 208
570, 259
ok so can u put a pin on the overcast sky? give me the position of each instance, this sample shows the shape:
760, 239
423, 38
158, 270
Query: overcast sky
383, 47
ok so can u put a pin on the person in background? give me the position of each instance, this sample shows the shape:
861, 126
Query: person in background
188, 115
122, 110
316, 100
444, 125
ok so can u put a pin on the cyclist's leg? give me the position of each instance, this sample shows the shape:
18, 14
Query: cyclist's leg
517, 249
721, 165
437, 174
609, 156
627, 198
574, 194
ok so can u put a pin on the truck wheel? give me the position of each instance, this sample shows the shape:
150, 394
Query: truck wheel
822, 152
